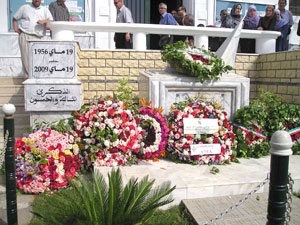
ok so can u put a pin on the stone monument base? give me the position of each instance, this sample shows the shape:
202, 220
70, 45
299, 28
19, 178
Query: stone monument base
164, 88
48, 117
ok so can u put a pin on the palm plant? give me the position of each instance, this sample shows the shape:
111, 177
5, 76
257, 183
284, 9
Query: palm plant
93, 201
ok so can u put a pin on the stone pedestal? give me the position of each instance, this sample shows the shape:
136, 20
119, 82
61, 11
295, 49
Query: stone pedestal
164, 88
52, 91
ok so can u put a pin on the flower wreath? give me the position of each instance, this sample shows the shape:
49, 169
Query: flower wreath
45, 160
194, 62
180, 143
107, 130
155, 128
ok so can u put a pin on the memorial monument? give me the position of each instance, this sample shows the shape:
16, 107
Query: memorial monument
52, 91
230, 90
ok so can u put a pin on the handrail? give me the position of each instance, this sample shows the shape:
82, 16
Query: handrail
266, 40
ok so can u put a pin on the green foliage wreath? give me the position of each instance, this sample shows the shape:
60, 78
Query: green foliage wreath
194, 62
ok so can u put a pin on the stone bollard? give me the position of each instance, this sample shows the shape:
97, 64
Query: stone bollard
281, 143
11, 199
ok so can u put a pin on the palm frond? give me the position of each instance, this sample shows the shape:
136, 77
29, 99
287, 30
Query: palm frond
115, 189
101, 195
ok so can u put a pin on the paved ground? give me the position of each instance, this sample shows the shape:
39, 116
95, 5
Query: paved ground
192, 182
251, 212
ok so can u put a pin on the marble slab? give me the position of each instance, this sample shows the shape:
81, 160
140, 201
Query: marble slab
52, 95
164, 88
50, 59
48, 117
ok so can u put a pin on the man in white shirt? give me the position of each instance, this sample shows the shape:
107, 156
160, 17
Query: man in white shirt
223, 14
33, 19
123, 40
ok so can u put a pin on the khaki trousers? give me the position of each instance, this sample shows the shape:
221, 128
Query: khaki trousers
24, 48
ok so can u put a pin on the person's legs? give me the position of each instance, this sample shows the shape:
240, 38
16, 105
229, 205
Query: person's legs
24, 48
120, 41
24, 53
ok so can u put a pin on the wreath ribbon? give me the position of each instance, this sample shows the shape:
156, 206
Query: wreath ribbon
193, 53
294, 131
251, 131
291, 132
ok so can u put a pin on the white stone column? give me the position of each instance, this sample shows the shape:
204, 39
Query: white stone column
139, 41
62, 35
265, 45
201, 41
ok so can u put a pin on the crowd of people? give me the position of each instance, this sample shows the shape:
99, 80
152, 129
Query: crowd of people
274, 20
279, 19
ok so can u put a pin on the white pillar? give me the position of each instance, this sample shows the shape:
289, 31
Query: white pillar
139, 41
62, 35
201, 41
265, 45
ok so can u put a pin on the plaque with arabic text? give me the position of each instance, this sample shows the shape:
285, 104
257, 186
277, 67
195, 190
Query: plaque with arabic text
52, 60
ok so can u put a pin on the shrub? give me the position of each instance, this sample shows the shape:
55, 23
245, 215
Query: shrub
97, 202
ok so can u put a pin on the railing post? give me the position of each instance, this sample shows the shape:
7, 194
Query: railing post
281, 144
11, 199
201, 41
265, 45
139, 41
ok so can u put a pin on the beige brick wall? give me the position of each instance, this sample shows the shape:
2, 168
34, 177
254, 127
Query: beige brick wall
100, 71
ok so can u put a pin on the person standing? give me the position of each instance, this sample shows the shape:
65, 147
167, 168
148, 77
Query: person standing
288, 17
33, 19
166, 19
223, 15
123, 40
268, 21
232, 20
281, 25
188, 20
59, 11
251, 22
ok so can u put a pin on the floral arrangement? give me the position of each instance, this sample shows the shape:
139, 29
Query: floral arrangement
265, 115
179, 146
194, 61
155, 130
107, 130
45, 160
251, 142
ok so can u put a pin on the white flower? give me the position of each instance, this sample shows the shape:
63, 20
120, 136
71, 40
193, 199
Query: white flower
116, 131
86, 133
97, 124
107, 143
115, 143
222, 117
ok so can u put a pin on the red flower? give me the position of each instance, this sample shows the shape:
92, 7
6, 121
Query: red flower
120, 162
111, 111
123, 114
55, 175
216, 140
27, 149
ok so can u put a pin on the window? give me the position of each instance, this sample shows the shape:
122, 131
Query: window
294, 7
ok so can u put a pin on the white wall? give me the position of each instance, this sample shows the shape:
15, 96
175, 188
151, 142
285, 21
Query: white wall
4, 15
201, 12
105, 12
